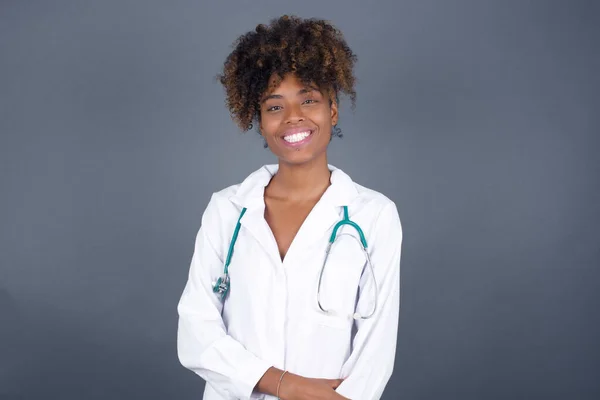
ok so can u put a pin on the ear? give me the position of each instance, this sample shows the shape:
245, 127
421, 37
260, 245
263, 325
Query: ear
334, 112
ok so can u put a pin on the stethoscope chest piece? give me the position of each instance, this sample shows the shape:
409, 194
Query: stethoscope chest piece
221, 286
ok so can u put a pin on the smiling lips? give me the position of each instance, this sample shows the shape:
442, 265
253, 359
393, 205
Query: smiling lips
296, 137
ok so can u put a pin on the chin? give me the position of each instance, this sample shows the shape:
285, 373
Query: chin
296, 160
301, 157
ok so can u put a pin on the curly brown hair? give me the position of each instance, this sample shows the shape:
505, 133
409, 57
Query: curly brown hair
312, 49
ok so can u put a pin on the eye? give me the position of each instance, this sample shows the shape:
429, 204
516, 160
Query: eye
274, 108
309, 101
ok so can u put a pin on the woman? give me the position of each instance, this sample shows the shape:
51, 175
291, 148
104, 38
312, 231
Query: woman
256, 328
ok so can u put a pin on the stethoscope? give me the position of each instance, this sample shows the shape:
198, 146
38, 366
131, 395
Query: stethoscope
221, 286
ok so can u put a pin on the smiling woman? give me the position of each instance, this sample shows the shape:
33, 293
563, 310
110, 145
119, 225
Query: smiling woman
286, 316
296, 120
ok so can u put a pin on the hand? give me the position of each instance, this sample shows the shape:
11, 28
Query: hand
295, 387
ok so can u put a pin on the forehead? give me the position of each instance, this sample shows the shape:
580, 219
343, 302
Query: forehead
289, 82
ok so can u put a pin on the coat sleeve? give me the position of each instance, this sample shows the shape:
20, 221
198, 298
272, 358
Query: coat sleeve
203, 345
370, 365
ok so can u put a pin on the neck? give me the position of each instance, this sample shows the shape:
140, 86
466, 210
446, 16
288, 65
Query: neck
304, 182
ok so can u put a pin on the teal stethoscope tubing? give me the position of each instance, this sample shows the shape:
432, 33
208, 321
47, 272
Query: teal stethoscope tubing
221, 286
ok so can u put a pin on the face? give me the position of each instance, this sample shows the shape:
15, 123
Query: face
296, 121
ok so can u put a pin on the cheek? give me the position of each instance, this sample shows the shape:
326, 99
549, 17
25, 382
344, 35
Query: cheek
323, 119
268, 125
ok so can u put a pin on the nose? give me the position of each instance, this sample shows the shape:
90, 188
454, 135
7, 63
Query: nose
294, 114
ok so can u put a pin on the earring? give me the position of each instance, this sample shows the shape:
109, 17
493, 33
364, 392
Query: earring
336, 131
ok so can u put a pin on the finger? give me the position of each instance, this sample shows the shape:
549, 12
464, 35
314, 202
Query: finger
335, 383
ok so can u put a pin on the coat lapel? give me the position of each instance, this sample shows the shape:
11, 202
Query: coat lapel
254, 221
250, 194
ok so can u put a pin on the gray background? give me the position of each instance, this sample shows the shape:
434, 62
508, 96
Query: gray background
478, 118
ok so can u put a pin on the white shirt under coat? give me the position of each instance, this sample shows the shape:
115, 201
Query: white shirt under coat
271, 317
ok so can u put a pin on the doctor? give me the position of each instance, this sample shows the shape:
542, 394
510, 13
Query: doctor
264, 318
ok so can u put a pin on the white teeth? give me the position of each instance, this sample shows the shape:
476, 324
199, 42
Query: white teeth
296, 137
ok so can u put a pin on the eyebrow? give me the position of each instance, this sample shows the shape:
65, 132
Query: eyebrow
304, 90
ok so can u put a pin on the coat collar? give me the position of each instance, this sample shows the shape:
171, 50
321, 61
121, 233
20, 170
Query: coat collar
250, 192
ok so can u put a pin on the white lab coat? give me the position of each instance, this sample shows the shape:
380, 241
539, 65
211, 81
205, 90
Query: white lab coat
271, 317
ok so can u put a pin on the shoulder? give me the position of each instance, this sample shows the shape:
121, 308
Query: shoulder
220, 209
373, 197
373, 202
223, 196
227, 203
378, 215
384, 208
220, 215
374, 211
